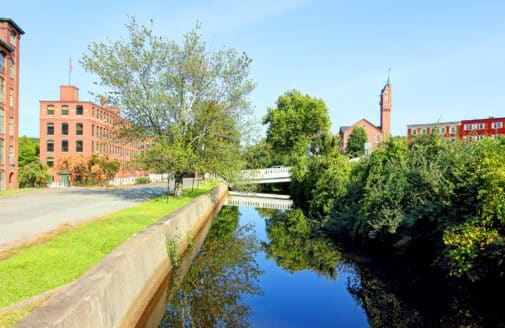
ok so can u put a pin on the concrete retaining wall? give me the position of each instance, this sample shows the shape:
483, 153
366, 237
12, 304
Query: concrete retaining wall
115, 292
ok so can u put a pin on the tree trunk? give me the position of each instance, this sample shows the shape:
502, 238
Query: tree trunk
178, 186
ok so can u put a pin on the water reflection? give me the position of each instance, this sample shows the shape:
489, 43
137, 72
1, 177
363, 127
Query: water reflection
294, 245
211, 294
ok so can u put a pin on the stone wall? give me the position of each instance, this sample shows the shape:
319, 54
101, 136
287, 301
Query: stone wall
115, 292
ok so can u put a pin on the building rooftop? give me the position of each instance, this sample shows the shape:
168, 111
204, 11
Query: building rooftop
6, 46
16, 26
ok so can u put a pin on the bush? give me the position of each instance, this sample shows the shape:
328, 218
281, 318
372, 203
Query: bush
142, 180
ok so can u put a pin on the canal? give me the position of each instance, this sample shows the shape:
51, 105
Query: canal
268, 268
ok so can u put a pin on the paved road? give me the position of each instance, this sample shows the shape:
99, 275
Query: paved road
23, 217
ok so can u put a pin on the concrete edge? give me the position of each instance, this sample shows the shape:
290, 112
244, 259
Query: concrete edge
115, 291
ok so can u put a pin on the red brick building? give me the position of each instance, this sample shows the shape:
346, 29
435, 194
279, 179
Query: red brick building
10, 36
69, 127
376, 134
475, 129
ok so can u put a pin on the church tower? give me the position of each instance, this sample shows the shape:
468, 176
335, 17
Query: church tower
386, 104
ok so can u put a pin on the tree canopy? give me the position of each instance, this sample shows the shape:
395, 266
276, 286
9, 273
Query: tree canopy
32, 173
356, 141
295, 122
189, 100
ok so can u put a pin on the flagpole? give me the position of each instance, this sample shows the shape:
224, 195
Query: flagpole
69, 69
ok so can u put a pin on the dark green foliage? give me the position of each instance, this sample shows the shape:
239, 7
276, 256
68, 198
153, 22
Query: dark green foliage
142, 180
432, 198
28, 151
356, 141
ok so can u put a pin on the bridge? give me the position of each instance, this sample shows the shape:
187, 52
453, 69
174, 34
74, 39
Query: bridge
270, 175
259, 200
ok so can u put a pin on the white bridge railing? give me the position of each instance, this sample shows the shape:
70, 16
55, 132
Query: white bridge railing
272, 201
270, 175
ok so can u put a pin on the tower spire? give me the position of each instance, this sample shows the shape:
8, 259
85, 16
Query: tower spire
389, 76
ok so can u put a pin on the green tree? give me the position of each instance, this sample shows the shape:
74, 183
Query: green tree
356, 141
28, 151
33, 175
189, 100
294, 123
258, 156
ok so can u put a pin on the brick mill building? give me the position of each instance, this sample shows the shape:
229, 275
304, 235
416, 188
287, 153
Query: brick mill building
10, 36
376, 134
69, 127
476, 129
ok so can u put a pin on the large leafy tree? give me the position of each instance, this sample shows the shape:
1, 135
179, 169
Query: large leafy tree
356, 141
32, 173
189, 100
295, 122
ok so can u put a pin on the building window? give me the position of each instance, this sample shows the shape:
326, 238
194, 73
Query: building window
452, 139
12, 70
13, 38
64, 129
92, 147
497, 125
452, 129
11, 97
78, 146
423, 131
442, 130
92, 130
2, 151
11, 126
480, 126
50, 145
2, 120
78, 110
2, 85
50, 110
378, 138
50, 129
64, 110
50, 161
496, 136
79, 129
479, 138
92, 111
11, 155
64, 146
468, 127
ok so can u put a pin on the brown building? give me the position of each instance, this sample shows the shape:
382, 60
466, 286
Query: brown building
376, 134
10, 36
69, 127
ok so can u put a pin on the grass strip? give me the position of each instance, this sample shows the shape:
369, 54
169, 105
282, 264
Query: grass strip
10, 318
35, 269
11, 192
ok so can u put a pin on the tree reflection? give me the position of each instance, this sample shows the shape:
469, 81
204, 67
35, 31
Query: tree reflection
295, 246
420, 297
224, 271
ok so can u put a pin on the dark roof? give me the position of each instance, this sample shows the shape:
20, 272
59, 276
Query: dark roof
16, 26
343, 128
6, 46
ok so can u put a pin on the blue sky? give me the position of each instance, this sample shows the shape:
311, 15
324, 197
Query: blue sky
447, 58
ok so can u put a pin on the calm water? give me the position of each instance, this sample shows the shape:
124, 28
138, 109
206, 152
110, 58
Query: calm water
265, 268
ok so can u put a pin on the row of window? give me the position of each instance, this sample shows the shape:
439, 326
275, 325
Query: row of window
453, 129
2, 153
2, 123
79, 129
11, 93
101, 115
64, 110
482, 126
64, 146
12, 66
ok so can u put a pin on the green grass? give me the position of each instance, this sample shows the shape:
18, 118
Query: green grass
35, 269
10, 318
17, 191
